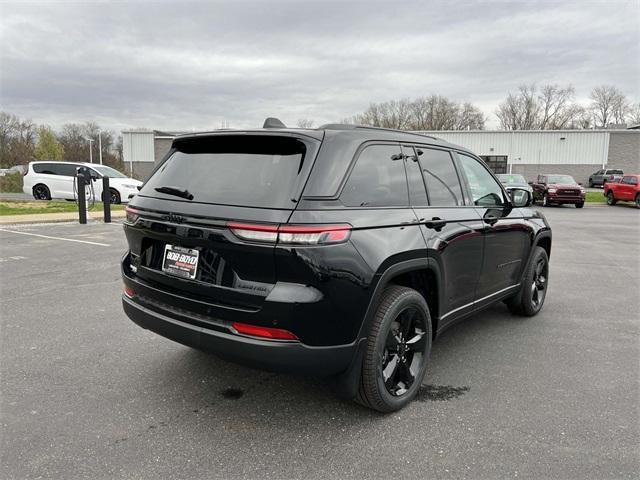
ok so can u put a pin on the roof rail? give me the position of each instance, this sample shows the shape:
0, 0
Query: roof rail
348, 126
273, 122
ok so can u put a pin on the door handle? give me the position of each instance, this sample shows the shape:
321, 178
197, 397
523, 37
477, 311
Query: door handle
436, 223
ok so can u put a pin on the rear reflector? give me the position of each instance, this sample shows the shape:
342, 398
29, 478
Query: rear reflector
292, 234
263, 332
128, 291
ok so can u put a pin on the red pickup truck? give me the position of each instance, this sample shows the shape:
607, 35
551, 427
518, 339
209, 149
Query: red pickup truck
626, 190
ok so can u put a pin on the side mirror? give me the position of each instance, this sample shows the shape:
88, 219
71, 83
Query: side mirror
579, 183
520, 197
530, 183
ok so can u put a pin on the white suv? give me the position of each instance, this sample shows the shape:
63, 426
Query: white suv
47, 180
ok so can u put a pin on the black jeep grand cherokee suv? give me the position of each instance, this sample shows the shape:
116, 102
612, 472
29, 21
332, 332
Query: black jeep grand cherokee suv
341, 251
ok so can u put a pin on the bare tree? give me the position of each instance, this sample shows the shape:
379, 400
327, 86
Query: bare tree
434, 112
608, 105
552, 107
520, 111
557, 107
469, 118
17, 140
634, 114
304, 123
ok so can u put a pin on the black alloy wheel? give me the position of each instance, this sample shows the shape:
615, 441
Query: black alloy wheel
397, 350
403, 351
638, 200
611, 200
533, 291
41, 192
114, 196
539, 283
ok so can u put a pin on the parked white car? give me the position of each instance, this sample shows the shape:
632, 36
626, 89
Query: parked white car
50, 179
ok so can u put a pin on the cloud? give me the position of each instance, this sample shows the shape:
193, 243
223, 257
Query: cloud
191, 66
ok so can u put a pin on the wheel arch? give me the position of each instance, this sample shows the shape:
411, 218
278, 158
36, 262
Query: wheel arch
421, 274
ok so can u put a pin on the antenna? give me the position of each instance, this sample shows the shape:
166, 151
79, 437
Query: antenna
273, 122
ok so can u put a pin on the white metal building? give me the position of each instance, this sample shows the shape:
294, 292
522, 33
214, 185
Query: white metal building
530, 152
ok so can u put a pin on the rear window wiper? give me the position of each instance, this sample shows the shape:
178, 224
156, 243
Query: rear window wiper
178, 192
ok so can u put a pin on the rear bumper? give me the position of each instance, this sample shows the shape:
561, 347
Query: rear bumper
279, 356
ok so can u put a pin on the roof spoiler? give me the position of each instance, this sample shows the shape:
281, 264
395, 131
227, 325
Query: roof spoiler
273, 122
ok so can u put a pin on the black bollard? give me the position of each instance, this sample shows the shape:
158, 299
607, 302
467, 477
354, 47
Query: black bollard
82, 200
106, 200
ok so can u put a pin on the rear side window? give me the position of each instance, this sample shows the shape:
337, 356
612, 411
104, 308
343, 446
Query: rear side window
68, 169
377, 179
47, 168
440, 177
253, 171
614, 172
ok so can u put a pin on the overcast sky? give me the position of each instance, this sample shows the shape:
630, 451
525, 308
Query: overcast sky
179, 66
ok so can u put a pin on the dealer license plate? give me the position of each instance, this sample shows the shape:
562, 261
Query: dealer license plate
180, 261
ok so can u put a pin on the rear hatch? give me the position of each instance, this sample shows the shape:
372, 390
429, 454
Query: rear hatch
182, 215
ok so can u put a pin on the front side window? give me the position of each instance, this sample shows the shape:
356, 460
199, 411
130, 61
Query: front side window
440, 177
103, 170
630, 180
485, 190
377, 180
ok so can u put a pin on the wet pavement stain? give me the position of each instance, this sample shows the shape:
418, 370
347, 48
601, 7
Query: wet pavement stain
232, 393
439, 393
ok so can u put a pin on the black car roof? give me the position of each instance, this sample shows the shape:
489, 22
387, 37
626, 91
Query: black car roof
339, 144
363, 131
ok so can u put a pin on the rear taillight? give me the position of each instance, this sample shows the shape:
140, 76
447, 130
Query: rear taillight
263, 332
128, 292
292, 234
132, 214
255, 233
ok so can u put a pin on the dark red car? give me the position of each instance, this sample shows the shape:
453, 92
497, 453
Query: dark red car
626, 190
559, 190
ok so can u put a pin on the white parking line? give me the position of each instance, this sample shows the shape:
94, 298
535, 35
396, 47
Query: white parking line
56, 238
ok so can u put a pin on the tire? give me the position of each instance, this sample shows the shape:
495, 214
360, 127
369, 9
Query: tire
398, 348
545, 200
590, 183
41, 192
530, 299
580, 205
637, 200
611, 199
114, 196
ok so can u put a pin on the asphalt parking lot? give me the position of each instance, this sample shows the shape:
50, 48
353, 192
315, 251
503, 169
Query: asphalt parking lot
85, 393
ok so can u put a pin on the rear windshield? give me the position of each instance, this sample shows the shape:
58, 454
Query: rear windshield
243, 170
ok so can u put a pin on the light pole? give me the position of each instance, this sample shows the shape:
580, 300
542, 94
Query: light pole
100, 144
90, 140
